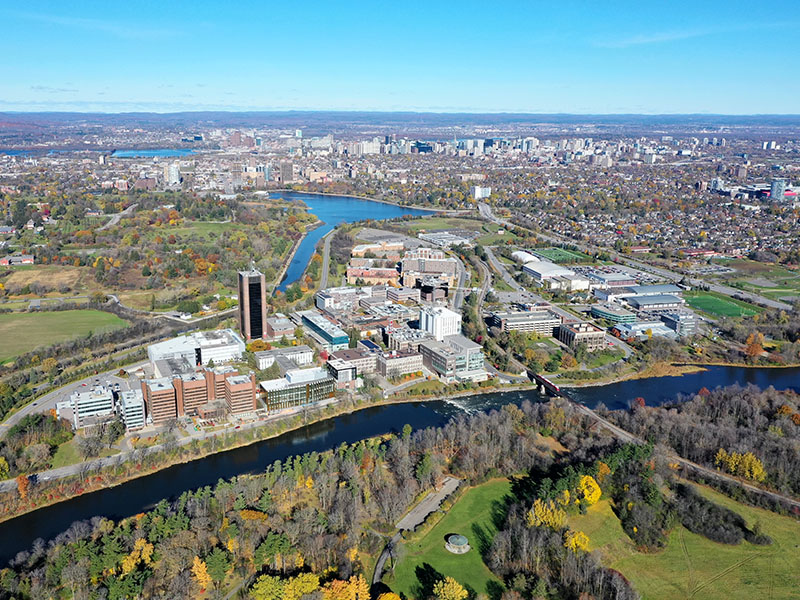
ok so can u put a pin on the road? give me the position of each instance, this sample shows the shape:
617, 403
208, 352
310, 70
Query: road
116, 218
173, 315
326, 259
628, 437
138, 454
48, 401
498, 266
486, 212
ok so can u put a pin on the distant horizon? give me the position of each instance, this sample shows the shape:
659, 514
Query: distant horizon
397, 112
719, 57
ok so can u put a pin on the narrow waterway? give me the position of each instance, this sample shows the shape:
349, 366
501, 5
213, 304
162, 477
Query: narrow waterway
332, 211
140, 494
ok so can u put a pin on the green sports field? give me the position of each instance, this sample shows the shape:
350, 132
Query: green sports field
471, 516
561, 256
720, 306
692, 566
22, 332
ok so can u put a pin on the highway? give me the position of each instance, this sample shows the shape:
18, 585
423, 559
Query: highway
326, 259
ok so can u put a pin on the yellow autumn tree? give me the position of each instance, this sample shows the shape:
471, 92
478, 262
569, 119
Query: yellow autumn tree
590, 489
200, 572
546, 513
298, 586
449, 589
388, 596
603, 471
576, 540
355, 588
745, 465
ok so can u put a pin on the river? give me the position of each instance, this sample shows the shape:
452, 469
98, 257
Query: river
141, 494
332, 211
153, 153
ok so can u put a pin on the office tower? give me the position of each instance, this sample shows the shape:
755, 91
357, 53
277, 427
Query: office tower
252, 304
172, 174
777, 189
286, 172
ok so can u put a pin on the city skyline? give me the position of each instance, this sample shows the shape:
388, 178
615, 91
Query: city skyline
712, 58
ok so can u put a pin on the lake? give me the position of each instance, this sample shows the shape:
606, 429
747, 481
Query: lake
141, 494
332, 211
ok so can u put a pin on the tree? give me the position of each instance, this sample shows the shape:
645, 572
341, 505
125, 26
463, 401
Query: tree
590, 489
298, 586
576, 540
22, 486
200, 572
218, 563
4, 469
754, 346
267, 587
546, 513
449, 589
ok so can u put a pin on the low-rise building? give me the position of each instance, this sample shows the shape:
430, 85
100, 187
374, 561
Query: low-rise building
542, 271
363, 361
159, 399
300, 355
682, 323
573, 334
298, 388
396, 364
371, 275
328, 335
279, 326
96, 402
240, 394
455, 358
200, 348
656, 303
403, 294
131, 409
644, 330
541, 322
405, 339
613, 313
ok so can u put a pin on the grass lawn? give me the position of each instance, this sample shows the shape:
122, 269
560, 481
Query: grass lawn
692, 566
472, 516
22, 332
719, 305
426, 387
68, 454
435, 223
561, 256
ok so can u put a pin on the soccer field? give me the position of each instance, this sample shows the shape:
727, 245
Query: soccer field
22, 332
721, 307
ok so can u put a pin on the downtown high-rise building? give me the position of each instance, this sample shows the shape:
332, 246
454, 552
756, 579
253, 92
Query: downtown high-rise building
777, 189
252, 304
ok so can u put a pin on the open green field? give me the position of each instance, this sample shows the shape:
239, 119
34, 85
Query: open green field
692, 566
202, 229
491, 237
561, 256
473, 516
436, 223
719, 305
22, 332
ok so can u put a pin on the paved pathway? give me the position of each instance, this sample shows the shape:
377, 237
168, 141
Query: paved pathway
414, 519
116, 218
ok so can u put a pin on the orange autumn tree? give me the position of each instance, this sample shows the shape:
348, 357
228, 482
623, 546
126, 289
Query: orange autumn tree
22, 486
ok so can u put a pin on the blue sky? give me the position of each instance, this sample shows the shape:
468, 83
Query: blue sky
704, 56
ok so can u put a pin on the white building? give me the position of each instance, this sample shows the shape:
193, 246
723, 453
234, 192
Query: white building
96, 402
299, 355
131, 409
541, 271
439, 321
200, 348
479, 192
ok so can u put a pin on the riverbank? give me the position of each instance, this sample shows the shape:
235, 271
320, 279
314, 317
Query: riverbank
660, 369
94, 480
287, 263
453, 211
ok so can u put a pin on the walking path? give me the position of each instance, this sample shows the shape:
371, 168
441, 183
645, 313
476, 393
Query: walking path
415, 517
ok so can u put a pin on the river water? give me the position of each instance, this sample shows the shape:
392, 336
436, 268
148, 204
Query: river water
141, 494
332, 211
